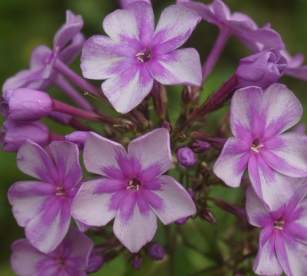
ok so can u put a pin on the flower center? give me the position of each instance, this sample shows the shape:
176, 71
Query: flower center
133, 184
60, 191
144, 56
61, 261
256, 145
278, 224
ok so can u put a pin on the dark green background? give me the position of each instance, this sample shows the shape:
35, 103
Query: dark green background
27, 23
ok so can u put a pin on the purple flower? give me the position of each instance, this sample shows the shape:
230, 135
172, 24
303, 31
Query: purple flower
77, 137
238, 24
14, 134
261, 69
186, 157
258, 120
295, 68
133, 189
283, 240
43, 207
125, 3
135, 55
25, 104
156, 252
69, 258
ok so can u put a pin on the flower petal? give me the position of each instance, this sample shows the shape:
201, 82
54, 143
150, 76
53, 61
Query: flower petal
175, 26
152, 150
34, 161
232, 161
25, 258
273, 188
103, 58
287, 154
100, 156
66, 157
171, 202
299, 73
177, 67
245, 116
266, 262
135, 223
47, 230
69, 53
281, 110
291, 254
133, 26
92, 204
27, 199
256, 212
129, 88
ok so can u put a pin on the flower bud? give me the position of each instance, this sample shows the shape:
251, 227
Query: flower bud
77, 137
228, 207
186, 157
199, 146
24, 104
95, 262
137, 261
156, 252
208, 216
182, 221
167, 125
261, 69
14, 134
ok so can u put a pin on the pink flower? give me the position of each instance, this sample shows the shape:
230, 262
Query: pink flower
135, 55
70, 257
132, 189
43, 207
283, 239
257, 120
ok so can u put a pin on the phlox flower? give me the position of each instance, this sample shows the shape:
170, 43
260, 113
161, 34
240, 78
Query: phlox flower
283, 239
43, 207
70, 258
132, 188
257, 120
134, 55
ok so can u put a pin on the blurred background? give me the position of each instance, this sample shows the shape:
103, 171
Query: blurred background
24, 24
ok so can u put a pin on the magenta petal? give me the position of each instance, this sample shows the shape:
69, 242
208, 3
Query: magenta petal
291, 255
135, 223
100, 155
171, 202
69, 53
92, 204
233, 161
152, 150
273, 188
246, 121
177, 67
256, 212
133, 26
266, 262
173, 29
103, 58
28, 198
129, 88
287, 154
66, 157
281, 110
299, 73
47, 230
25, 258
34, 161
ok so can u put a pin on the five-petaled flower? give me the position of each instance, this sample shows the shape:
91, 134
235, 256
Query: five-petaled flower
135, 55
133, 189
43, 207
283, 239
70, 257
258, 120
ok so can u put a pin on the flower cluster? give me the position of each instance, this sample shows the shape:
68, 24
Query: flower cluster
142, 163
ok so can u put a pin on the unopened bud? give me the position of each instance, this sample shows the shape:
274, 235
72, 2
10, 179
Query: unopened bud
137, 261
208, 216
77, 137
95, 262
125, 125
217, 143
199, 146
182, 137
156, 252
167, 125
186, 157
182, 220
228, 207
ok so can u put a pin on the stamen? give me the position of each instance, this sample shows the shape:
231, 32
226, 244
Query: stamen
134, 184
278, 224
61, 191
